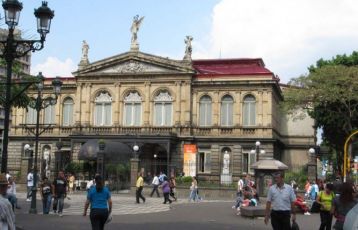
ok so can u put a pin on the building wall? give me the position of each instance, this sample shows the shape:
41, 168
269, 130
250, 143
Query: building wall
276, 134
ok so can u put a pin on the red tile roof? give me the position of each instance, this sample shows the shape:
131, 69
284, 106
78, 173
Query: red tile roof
227, 67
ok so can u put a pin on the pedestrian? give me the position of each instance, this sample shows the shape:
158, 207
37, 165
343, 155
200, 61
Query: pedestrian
71, 183
240, 186
148, 178
193, 189
280, 198
314, 190
139, 186
60, 193
46, 189
307, 189
166, 190
161, 177
155, 184
172, 185
342, 204
99, 197
11, 193
7, 215
325, 199
8, 175
30, 184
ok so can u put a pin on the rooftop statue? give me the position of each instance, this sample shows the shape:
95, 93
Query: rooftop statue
188, 48
134, 30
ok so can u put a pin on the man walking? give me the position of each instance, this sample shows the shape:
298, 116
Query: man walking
30, 184
139, 186
155, 184
46, 189
60, 189
7, 216
281, 198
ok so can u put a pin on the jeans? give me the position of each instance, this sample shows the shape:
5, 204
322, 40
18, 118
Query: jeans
139, 194
166, 198
13, 200
193, 195
280, 220
29, 192
58, 201
46, 203
326, 220
98, 218
155, 189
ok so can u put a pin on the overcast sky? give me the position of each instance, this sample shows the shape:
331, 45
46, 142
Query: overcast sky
288, 35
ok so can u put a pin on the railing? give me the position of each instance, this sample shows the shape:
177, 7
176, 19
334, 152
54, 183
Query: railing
149, 130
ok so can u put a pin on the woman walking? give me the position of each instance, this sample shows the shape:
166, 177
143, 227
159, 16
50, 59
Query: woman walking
193, 189
325, 199
172, 185
342, 204
166, 190
101, 204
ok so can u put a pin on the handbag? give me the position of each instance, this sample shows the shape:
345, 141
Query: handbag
109, 219
315, 207
295, 226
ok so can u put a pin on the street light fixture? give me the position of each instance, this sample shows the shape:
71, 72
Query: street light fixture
39, 104
12, 48
135, 150
257, 150
155, 163
28, 154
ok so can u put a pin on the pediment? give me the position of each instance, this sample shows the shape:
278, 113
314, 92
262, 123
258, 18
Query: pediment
135, 63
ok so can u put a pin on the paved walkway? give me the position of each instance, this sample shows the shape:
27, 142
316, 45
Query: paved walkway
123, 204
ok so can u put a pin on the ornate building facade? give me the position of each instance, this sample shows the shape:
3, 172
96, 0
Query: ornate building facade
220, 106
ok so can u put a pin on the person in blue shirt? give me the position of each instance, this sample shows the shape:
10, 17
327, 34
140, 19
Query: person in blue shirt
101, 204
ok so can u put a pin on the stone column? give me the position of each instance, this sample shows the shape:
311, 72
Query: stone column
78, 104
177, 104
147, 102
134, 171
116, 104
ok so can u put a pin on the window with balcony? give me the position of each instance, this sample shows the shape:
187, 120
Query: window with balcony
31, 115
205, 111
227, 111
49, 114
103, 110
67, 112
163, 109
133, 109
249, 111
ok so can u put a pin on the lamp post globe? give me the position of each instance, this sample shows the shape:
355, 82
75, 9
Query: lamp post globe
312, 151
26, 147
258, 143
44, 16
135, 148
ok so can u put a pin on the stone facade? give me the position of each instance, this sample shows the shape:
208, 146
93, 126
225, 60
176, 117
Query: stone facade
128, 87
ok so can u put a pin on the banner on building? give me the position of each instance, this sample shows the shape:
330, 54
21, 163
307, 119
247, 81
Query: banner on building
189, 166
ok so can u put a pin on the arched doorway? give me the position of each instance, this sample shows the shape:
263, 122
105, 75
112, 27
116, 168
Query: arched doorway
153, 159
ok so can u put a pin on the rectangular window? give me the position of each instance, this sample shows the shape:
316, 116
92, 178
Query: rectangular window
49, 117
31, 115
204, 162
247, 160
205, 114
67, 115
107, 114
168, 114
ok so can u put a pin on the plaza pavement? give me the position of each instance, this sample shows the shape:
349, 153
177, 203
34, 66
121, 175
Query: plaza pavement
207, 214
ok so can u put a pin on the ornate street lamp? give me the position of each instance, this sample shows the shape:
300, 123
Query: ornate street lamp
155, 164
257, 150
29, 155
11, 48
135, 150
39, 104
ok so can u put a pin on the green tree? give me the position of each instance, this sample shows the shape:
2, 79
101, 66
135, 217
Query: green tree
329, 95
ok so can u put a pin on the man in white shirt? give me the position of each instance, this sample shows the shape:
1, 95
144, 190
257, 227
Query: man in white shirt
155, 184
281, 198
240, 186
7, 216
11, 193
30, 184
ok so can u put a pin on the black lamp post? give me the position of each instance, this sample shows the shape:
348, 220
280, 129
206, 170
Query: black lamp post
12, 48
257, 150
38, 104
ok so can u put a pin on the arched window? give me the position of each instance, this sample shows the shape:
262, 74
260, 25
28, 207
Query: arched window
205, 113
49, 114
67, 112
31, 115
249, 111
163, 109
133, 109
103, 109
227, 111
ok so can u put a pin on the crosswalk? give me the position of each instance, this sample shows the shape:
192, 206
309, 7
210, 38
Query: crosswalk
122, 204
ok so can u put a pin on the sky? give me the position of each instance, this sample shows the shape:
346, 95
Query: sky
288, 35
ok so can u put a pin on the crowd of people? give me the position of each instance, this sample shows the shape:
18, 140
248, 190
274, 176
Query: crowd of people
246, 194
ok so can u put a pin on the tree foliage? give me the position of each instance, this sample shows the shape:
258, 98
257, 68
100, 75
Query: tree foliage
329, 95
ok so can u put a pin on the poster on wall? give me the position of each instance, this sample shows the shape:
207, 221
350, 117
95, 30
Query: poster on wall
189, 166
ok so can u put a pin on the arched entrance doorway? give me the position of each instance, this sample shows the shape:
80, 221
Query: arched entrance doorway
153, 158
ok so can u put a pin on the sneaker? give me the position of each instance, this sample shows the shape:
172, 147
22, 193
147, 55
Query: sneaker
233, 207
28, 199
60, 214
307, 213
55, 211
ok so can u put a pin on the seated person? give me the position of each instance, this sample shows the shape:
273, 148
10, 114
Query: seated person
301, 204
11, 193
